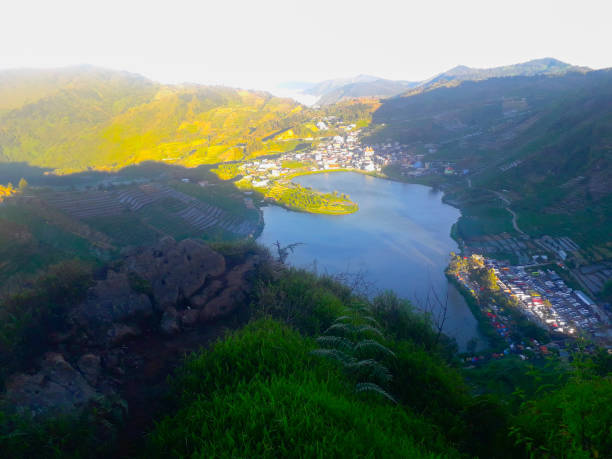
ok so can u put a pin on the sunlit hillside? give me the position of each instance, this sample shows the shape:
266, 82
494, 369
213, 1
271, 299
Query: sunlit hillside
83, 118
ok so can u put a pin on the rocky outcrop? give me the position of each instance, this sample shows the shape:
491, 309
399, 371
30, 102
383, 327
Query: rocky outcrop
209, 292
119, 333
57, 388
148, 285
111, 300
169, 324
154, 294
175, 271
89, 365
232, 295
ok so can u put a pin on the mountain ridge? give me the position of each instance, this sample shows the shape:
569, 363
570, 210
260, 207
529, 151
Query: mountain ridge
335, 90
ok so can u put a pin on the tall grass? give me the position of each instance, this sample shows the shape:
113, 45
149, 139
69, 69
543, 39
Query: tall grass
260, 393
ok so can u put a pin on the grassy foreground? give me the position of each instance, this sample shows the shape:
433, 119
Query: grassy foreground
322, 372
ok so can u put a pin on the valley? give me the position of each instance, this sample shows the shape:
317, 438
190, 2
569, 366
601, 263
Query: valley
437, 253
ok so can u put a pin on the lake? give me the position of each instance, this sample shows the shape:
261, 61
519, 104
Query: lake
399, 239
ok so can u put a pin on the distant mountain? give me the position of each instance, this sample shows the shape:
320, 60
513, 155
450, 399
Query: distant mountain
545, 66
333, 91
336, 90
376, 88
85, 117
319, 89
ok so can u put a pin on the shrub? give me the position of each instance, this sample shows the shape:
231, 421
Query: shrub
301, 299
572, 422
27, 318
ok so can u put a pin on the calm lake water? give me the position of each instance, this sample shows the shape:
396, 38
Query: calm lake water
399, 239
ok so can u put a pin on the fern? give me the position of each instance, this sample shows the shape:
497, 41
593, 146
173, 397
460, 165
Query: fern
371, 368
367, 344
375, 388
335, 342
346, 328
341, 319
335, 354
369, 328
372, 321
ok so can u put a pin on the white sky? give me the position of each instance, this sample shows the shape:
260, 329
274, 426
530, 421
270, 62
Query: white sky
258, 43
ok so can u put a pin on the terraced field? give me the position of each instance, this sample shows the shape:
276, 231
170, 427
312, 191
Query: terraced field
160, 206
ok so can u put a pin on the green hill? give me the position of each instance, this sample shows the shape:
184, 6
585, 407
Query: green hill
546, 140
81, 118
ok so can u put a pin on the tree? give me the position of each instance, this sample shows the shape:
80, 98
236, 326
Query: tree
23, 184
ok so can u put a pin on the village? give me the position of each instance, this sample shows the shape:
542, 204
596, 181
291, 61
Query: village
538, 297
343, 151
545, 297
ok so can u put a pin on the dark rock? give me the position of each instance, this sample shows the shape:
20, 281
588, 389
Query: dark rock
170, 273
199, 300
59, 338
189, 317
111, 300
169, 324
232, 295
175, 270
89, 365
56, 388
118, 333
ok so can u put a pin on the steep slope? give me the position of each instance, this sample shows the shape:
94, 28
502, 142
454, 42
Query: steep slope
81, 118
545, 139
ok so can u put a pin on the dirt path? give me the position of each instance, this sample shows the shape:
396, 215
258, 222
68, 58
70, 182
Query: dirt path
147, 364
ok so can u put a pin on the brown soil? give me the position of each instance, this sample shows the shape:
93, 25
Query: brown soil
148, 362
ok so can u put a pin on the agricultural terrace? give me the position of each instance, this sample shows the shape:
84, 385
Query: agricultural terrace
166, 209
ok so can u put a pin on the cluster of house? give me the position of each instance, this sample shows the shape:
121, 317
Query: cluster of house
544, 296
339, 152
343, 151
502, 324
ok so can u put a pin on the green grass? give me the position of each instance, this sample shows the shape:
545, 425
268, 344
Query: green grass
260, 393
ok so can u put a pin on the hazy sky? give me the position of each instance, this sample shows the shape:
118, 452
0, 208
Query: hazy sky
258, 43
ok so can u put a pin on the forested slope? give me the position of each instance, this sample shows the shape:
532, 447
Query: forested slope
88, 118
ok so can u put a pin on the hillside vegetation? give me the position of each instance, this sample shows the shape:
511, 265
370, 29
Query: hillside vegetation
89, 118
546, 140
